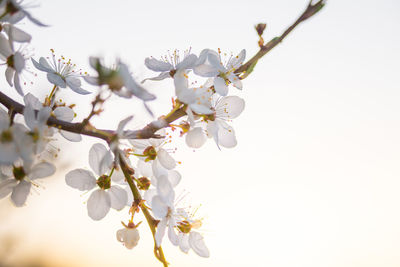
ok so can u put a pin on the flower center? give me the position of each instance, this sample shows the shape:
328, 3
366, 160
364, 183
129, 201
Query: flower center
184, 227
11, 8
10, 61
144, 183
35, 135
150, 153
6, 136
104, 182
19, 173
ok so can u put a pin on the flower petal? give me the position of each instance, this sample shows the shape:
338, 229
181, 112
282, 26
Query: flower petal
75, 85
56, 79
159, 207
20, 193
10, 75
230, 107
220, 86
187, 63
173, 237
157, 65
16, 34
195, 138
41, 170
162, 76
33, 101
43, 65
160, 232
5, 47
196, 242
226, 135
80, 179
118, 197
174, 177
64, 113
73, 137
17, 84
165, 190
98, 204
235, 62
7, 186
165, 159
100, 159
184, 242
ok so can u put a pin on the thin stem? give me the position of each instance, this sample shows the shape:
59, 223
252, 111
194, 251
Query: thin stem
52, 92
158, 251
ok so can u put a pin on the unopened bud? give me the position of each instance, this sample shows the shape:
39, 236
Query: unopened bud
260, 28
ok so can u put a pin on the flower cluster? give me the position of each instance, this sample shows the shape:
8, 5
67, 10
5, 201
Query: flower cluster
134, 169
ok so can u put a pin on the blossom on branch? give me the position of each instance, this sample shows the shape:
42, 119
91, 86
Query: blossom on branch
61, 73
210, 65
20, 178
107, 196
169, 65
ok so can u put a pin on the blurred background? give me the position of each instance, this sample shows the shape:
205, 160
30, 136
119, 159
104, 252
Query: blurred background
315, 177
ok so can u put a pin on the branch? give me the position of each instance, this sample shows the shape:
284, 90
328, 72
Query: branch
310, 11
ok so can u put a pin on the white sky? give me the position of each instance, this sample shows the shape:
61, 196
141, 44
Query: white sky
315, 177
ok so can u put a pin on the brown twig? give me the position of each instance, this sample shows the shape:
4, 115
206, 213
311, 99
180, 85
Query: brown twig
310, 11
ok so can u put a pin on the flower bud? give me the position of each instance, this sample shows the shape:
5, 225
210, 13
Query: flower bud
260, 28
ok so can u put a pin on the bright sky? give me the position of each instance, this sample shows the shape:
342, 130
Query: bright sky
315, 177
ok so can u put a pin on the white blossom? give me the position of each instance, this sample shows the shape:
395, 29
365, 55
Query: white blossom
129, 236
20, 179
151, 150
15, 34
210, 65
225, 109
61, 73
107, 196
118, 79
36, 121
15, 11
15, 62
169, 65
197, 98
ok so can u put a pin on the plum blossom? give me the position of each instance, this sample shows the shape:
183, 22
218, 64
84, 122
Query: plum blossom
63, 113
39, 131
210, 65
107, 196
13, 11
118, 79
8, 146
129, 235
20, 178
197, 98
61, 73
226, 108
151, 150
169, 65
195, 241
15, 62
15, 34
163, 208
